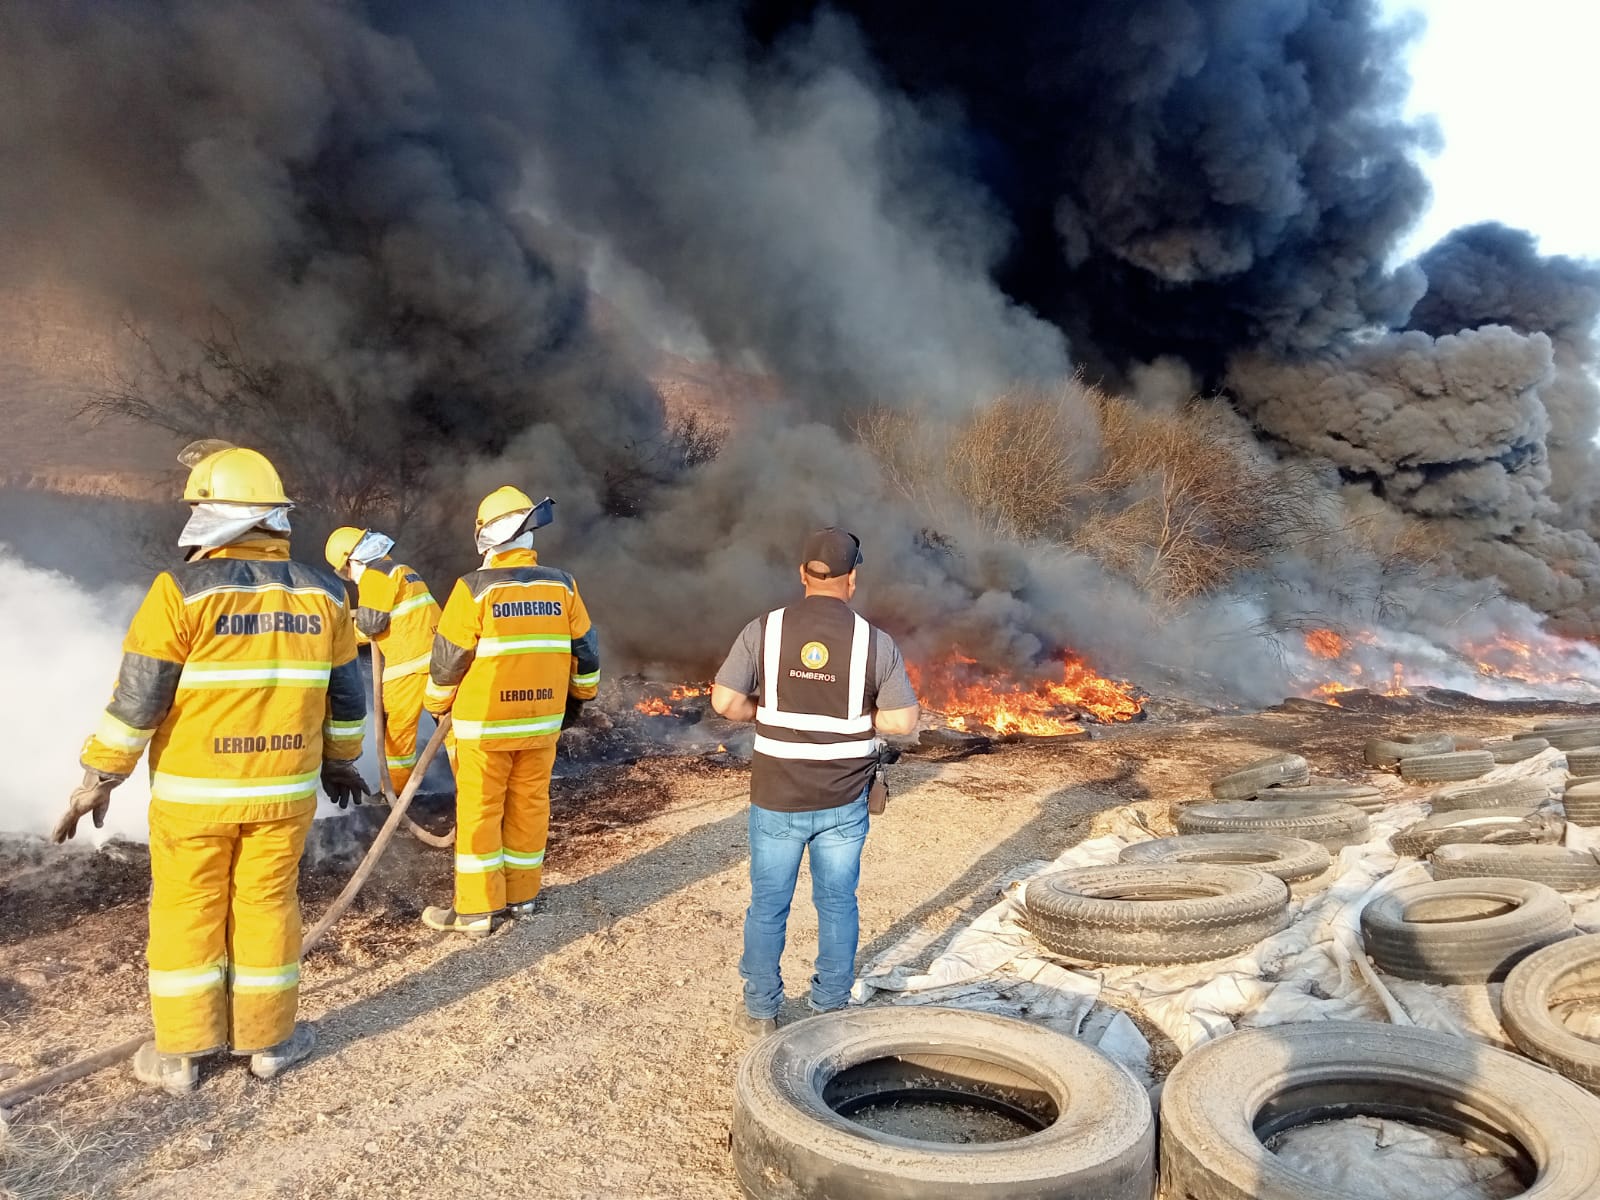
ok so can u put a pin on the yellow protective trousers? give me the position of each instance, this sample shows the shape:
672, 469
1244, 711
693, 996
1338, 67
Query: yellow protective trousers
402, 707
224, 931
502, 821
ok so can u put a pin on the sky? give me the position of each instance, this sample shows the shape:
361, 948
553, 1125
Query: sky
1515, 88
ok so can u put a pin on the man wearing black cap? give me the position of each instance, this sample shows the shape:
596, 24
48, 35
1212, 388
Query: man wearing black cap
820, 683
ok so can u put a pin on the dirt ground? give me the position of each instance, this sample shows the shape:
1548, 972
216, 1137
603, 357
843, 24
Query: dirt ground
586, 1052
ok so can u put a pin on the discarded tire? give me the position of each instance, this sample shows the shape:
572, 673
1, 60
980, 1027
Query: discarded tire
1462, 930
1302, 704
1585, 761
801, 1095
1357, 795
1305, 866
1484, 826
1581, 803
1326, 822
1545, 977
1288, 769
1384, 752
1511, 793
1570, 739
1146, 915
1554, 866
1518, 749
1445, 768
1315, 781
1227, 1101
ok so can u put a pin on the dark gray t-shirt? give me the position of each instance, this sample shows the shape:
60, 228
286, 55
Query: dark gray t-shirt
741, 670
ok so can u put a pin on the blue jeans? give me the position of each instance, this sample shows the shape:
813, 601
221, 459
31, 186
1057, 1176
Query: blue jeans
835, 837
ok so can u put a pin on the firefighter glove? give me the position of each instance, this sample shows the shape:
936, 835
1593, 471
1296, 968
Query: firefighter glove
93, 795
343, 782
573, 713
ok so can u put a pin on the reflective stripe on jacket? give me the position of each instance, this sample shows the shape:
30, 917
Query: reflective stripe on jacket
514, 642
396, 610
815, 746
239, 672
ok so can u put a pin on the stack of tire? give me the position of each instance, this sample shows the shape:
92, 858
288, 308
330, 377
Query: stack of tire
1086, 1131
1430, 757
1494, 912
1498, 831
1564, 735
1494, 819
1494, 898
1217, 889
1580, 740
1277, 796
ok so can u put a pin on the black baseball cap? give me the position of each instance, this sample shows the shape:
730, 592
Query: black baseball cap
836, 549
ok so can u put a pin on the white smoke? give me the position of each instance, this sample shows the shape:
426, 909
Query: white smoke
61, 644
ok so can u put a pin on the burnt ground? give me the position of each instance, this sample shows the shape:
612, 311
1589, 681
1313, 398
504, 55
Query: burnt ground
586, 1052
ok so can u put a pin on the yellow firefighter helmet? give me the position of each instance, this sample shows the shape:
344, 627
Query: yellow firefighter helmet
502, 502
235, 476
340, 543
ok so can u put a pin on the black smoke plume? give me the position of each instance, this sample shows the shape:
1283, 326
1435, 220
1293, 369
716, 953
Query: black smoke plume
405, 209
281, 180
1490, 274
1480, 418
1186, 177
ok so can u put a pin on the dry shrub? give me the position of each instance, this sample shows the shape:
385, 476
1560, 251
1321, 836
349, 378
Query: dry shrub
911, 454
1180, 502
1010, 465
1013, 463
1375, 554
1398, 543
688, 441
331, 459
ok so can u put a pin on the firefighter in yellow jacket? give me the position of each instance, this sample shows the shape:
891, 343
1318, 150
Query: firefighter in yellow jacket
396, 612
515, 658
239, 674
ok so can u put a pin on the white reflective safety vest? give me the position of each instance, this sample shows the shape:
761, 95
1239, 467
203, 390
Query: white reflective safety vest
814, 746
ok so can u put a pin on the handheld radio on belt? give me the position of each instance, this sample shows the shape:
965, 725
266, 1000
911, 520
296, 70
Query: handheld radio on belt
878, 793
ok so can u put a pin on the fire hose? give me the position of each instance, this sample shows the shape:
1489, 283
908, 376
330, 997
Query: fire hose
385, 780
111, 1056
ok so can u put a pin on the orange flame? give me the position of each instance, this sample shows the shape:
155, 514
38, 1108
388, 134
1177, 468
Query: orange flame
1328, 692
658, 706
1331, 646
1325, 643
1397, 685
967, 699
1506, 658
1545, 664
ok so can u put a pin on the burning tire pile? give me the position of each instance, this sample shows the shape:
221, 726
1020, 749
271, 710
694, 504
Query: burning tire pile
1242, 869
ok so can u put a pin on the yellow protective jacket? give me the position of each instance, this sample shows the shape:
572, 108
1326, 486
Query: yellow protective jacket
239, 672
396, 611
514, 642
